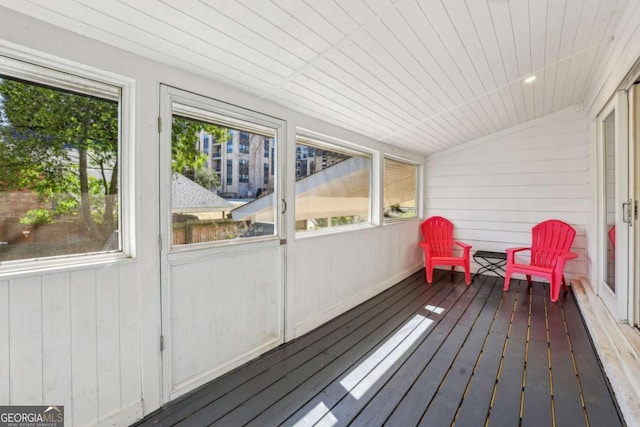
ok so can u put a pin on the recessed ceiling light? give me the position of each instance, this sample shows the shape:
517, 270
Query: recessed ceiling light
530, 79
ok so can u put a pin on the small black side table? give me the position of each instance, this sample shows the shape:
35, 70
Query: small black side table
490, 261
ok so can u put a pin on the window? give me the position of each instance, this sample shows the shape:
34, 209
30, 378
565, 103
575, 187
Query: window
243, 171
230, 144
266, 147
60, 164
336, 194
266, 173
229, 172
400, 189
204, 209
243, 143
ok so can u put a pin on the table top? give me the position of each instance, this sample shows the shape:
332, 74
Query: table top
490, 254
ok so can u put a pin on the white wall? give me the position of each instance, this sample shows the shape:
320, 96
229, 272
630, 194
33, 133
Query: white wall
88, 337
338, 271
497, 188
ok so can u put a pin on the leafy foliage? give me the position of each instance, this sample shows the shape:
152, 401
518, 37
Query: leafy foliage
54, 143
186, 159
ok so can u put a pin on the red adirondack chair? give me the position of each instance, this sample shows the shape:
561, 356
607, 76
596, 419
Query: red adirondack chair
550, 250
438, 247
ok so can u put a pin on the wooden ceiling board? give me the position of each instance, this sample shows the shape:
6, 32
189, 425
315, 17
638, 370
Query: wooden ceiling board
382, 77
189, 20
315, 95
605, 25
456, 29
393, 53
583, 43
331, 12
222, 24
249, 18
223, 53
359, 80
359, 10
410, 50
420, 24
418, 74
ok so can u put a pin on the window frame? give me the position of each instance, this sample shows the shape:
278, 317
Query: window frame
418, 195
321, 141
59, 74
221, 113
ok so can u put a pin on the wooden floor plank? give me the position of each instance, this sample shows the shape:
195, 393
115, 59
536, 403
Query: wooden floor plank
340, 390
410, 410
566, 396
253, 397
394, 361
537, 405
257, 400
505, 410
314, 391
443, 407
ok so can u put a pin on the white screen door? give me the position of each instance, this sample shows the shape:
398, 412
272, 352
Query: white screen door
615, 206
221, 266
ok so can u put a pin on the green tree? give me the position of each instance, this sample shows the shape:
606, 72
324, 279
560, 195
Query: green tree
42, 132
186, 159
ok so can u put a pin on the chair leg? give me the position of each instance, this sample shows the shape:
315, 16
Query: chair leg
453, 271
507, 279
429, 270
529, 280
467, 272
555, 287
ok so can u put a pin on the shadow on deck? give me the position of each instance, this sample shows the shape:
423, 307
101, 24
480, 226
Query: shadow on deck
444, 354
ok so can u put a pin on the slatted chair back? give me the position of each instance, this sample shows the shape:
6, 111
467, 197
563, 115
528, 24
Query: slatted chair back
438, 232
550, 239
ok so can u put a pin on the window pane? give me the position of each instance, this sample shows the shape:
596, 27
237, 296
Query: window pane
332, 187
222, 196
610, 199
400, 189
58, 172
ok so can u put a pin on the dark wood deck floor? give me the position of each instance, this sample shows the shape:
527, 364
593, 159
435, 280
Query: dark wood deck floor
438, 355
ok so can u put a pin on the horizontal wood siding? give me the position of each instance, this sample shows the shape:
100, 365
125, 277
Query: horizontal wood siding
72, 339
333, 273
496, 189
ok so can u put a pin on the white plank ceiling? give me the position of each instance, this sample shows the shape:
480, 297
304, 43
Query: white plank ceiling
423, 75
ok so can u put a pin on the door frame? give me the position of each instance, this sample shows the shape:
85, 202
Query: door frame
168, 96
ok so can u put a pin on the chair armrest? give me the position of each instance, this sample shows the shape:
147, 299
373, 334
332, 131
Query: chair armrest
568, 255
465, 248
427, 249
562, 260
511, 253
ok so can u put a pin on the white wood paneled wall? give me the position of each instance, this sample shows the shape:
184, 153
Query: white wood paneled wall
335, 272
73, 339
496, 189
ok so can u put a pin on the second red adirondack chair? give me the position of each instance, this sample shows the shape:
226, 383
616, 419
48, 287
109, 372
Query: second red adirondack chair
438, 244
550, 249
